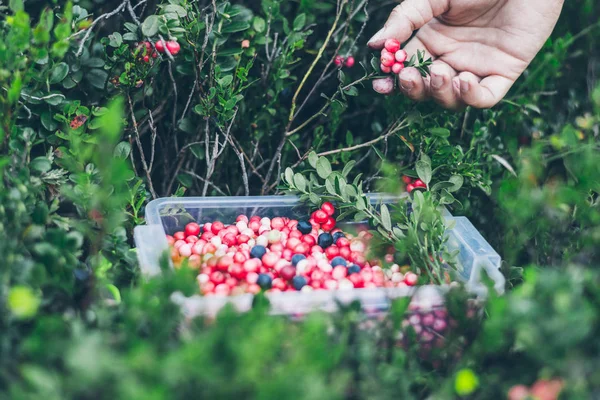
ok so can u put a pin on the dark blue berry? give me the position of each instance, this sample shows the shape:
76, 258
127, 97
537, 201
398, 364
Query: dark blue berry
298, 282
297, 258
337, 236
304, 227
338, 261
353, 269
258, 251
325, 240
264, 281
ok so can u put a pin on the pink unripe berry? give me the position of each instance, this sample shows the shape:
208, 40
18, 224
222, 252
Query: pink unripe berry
384, 69
350, 62
401, 56
392, 45
397, 67
387, 60
242, 217
338, 61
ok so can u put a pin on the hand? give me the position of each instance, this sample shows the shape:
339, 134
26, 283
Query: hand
479, 47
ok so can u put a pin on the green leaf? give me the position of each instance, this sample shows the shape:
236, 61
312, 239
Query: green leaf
323, 167
360, 216
97, 78
348, 167
237, 26
300, 182
122, 150
386, 219
150, 25
59, 72
313, 158
94, 62
289, 176
40, 164
424, 171
259, 24
175, 9
226, 80
314, 198
115, 40
330, 186
299, 22
440, 132
457, 181
351, 91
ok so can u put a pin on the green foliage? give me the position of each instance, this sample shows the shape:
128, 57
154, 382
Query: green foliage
89, 132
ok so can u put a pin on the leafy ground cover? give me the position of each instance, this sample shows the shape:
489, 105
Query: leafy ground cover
94, 123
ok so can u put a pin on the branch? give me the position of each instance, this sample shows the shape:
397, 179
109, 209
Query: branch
139, 144
91, 27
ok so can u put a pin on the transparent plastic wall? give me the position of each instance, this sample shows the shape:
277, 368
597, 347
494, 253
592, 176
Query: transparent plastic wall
168, 215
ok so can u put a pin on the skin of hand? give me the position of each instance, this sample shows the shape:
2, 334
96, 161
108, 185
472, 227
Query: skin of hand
479, 47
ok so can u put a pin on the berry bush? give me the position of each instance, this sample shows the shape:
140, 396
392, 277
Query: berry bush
106, 105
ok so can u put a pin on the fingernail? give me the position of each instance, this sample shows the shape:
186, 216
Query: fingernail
436, 80
456, 84
464, 85
376, 36
407, 85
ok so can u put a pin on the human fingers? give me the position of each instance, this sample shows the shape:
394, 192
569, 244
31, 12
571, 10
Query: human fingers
441, 88
407, 17
484, 93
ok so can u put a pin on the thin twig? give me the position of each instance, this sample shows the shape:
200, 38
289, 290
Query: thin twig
91, 27
205, 181
139, 144
153, 139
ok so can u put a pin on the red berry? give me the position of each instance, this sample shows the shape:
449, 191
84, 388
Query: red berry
349, 62
328, 208
320, 216
277, 247
384, 69
217, 277
160, 47
292, 243
407, 179
295, 234
287, 273
329, 224
357, 280
332, 251
146, 59
207, 287
419, 183
387, 60
315, 249
339, 272
242, 218
401, 56
229, 239
338, 60
411, 279
409, 188
239, 257
216, 227
287, 254
345, 252
173, 47
270, 259
192, 239
253, 288
242, 239
148, 45
397, 67
342, 242
392, 45
224, 263
309, 240
302, 248
179, 236
277, 223
170, 240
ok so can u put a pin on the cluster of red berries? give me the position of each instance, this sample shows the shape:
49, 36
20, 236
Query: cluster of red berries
282, 254
412, 183
171, 45
340, 61
542, 389
392, 57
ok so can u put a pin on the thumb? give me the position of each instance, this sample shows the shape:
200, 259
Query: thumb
407, 17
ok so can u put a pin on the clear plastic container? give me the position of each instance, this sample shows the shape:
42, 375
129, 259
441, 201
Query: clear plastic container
168, 215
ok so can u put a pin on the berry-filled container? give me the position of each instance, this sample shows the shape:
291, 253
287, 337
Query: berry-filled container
167, 216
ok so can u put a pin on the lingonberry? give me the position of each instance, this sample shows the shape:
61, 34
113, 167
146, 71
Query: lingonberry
160, 47
349, 62
216, 227
410, 187
173, 47
387, 59
392, 45
338, 61
397, 67
287, 273
320, 216
179, 235
407, 179
328, 208
386, 70
329, 224
400, 56
245, 44
192, 229
419, 183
